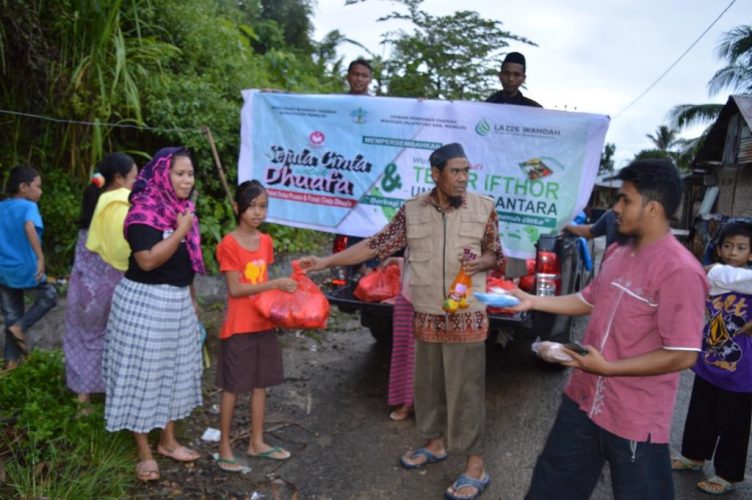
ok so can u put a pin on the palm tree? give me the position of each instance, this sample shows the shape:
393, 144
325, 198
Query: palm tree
736, 47
665, 138
736, 76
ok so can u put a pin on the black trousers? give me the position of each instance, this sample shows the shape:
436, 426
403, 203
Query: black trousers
719, 421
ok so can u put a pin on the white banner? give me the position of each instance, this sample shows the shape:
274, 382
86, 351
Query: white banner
345, 164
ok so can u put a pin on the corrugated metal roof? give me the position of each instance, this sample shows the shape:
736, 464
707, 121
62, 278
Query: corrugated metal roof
744, 103
712, 148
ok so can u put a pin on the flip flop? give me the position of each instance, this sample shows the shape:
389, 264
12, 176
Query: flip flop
422, 452
683, 463
273, 454
20, 340
715, 485
181, 453
465, 480
147, 470
231, 465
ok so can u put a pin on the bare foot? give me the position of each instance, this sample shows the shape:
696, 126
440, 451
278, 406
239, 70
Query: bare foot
19, 338
11, 364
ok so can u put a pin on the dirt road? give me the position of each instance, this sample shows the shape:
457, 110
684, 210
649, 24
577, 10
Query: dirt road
331, 414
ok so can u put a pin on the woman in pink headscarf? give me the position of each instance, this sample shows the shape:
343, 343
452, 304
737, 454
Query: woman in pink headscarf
152, 358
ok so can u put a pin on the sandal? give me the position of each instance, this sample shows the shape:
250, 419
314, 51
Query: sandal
147, 470
231, 465
715, 485
464, 480
430, 458
683, 463
275, 453
181, 453
20, 340
401, 414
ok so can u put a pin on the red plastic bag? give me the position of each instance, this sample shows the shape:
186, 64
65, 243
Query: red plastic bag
494, 282
380, 284
306, 307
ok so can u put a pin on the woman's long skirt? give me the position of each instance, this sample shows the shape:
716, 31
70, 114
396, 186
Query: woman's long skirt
403, 353
152, 357
92, 283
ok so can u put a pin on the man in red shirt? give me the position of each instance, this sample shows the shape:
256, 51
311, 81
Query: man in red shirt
646, 319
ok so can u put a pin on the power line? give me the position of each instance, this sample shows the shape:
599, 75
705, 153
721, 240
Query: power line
101, 124
650, 87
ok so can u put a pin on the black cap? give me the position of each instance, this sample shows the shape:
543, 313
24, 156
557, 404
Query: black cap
514, 57
445, 153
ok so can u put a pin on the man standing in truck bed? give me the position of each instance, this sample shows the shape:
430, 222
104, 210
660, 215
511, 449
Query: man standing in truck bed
512, 76
450, 354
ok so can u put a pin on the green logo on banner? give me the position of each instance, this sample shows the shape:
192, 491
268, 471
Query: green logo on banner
390, 182
483, 127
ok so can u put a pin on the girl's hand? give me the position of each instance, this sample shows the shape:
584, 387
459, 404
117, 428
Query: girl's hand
40, 270
286, 284
185, 222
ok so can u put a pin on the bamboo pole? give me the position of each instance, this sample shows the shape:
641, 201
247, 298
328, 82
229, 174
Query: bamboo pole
218, 163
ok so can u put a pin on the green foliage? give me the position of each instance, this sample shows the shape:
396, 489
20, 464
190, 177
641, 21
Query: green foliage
178, 65
60, 207
216, 219
607, 158
292, 240
455, 56
647, 154
54, 452
736, 48
665, 138
294, 19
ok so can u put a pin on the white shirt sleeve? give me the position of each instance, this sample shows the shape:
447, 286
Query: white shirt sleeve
724, 279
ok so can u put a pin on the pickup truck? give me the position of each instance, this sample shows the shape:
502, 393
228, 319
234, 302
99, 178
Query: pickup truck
560, 268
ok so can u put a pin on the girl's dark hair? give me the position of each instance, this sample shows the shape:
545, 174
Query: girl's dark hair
21, 174
110, 167
245, 194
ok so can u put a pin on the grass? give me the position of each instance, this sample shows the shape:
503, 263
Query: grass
49, 450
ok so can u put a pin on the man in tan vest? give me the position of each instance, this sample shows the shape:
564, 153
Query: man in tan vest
450, 358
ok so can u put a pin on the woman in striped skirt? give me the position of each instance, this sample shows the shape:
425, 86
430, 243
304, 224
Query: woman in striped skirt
152, 358
403, 351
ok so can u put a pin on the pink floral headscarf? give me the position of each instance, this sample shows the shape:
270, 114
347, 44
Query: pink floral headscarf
154, 203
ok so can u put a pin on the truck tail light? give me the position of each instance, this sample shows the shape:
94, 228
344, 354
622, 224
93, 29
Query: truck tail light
527, 282
339, 273
547, 274
340, 243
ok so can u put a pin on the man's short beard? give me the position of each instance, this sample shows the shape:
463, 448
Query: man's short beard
455, 201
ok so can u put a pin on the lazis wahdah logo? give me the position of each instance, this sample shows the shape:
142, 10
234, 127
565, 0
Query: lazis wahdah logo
482, 127
316, 138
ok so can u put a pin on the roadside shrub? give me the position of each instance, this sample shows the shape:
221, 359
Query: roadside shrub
60, 206
50, 449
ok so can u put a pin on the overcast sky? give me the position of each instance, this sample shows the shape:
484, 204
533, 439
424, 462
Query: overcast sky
593, 55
